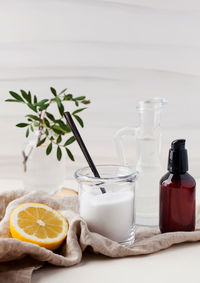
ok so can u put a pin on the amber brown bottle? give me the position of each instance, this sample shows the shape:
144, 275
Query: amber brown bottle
177, 192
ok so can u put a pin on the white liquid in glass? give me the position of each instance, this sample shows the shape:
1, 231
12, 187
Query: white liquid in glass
109, 214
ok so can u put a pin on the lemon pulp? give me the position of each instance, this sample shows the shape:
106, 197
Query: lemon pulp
39, 224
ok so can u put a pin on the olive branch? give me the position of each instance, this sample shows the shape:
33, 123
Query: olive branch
51, 130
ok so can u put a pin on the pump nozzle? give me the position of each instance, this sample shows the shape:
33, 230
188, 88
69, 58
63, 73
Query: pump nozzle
178, 159
178, 145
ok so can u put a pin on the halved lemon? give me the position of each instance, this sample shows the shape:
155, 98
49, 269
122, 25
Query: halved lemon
39, 224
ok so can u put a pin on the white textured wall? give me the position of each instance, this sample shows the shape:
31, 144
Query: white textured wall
115, 52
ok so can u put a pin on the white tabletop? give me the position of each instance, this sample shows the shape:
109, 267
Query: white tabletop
179, 263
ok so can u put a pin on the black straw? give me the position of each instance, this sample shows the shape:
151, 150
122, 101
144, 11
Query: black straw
78, 137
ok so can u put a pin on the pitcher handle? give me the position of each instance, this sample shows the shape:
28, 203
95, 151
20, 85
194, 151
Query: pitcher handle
118, 139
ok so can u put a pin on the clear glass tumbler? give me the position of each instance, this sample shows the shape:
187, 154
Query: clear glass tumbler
111, 214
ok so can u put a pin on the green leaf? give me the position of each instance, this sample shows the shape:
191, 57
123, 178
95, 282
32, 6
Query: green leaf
59, 153
34, 117
76, 102
80, 98
63, 91
49, 149
35, 99
80, 121
79, 110
32, 107
29, 94
31, 127
60, 106
50, 116
27, 133
53, 100
46, 122
58, 130
26, 96
63, 126
43, 107
68, 97
53, 91
36, 124
41, 142
86, 102
69, 154
69, 141
22, 125
59, 139
12, 100
16, 96
41, 102
46, 132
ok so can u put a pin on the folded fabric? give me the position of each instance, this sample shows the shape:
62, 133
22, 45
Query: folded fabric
19, 259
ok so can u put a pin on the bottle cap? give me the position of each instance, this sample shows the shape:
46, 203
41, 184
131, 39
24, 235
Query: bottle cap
178, 158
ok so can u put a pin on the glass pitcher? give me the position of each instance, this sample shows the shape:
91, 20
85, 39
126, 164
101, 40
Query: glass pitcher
148, 144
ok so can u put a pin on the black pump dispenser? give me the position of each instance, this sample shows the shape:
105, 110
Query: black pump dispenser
178, 158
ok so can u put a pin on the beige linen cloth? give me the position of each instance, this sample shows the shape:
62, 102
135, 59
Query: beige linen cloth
19, 259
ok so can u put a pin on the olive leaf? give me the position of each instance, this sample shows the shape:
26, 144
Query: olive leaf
32, 107
49, 149
80, 121
36, 124
69, 154
12, 100
34, 117
46, 121
59, 153
16, 96
68, 97
27, 133
50, 116
69, 141
63, 91
22, 125
41, 142
80, 98
58, 130
26, 96
79, 110
60, 106
63, 126
86, 102
35, 99
59, 139
53, 91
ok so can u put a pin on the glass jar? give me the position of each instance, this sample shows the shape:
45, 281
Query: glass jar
111, 214
42, 172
